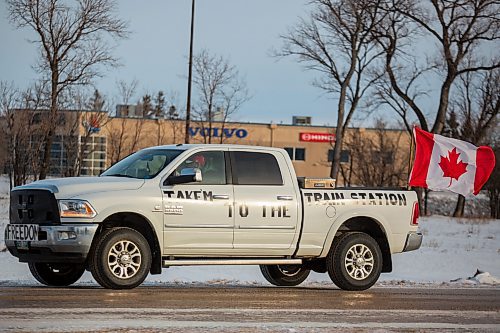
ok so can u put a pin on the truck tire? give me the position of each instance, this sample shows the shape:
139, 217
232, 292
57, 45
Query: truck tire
56, 275
284, 275
354, 262
121, 259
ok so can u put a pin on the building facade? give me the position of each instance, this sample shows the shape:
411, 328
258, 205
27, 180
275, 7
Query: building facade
375, 156
309, 147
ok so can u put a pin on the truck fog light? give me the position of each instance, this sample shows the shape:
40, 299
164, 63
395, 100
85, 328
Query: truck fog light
64, 235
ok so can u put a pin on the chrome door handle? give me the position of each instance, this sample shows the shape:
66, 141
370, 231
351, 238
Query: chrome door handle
285, 197
221, 196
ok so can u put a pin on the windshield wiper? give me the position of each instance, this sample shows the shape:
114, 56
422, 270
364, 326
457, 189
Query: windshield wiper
119, 175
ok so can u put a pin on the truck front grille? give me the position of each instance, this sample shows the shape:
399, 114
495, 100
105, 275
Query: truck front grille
33, 207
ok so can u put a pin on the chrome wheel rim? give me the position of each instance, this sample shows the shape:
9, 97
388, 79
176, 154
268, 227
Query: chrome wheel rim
289, 270
359, 262
124, 259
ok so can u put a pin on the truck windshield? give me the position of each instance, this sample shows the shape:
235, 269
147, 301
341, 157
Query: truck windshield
144, 164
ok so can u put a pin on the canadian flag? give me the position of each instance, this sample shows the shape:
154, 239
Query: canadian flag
443, 163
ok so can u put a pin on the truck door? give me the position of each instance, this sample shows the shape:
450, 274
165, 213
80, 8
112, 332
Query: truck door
198, 216
266, 206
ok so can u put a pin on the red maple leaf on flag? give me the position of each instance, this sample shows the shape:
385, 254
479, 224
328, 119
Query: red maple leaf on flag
451, 166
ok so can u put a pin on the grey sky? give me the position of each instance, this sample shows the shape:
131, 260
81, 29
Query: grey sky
156, 53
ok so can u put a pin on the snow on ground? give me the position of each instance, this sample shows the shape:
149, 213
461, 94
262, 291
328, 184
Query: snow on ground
452, 248
443, 203
451, 253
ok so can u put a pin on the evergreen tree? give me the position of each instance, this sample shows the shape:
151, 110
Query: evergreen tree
159, 108
147, 106
96, 102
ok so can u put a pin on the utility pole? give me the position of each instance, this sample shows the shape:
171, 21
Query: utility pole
190, 75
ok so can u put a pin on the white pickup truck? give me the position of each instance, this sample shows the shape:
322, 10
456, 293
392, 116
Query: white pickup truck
182, 205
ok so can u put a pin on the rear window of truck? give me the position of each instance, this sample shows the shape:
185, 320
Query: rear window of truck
251, 168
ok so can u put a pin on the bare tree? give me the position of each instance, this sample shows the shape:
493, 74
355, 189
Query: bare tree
116, 139
377, 155
172, 118
221, 93
74, 44
176, 128
89, 116
126, 90
403, 95
8, 98
474, 113
123, 132
336, 41
463, 31
399, 86
124, 135
24, 126
477, 105
168, 118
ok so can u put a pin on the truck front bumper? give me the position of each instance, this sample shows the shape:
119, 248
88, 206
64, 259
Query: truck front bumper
413, 241
61, 243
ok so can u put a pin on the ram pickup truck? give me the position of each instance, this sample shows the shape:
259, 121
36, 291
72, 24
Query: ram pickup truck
181, 205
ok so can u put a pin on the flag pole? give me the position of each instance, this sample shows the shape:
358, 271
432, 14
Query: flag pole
410, 158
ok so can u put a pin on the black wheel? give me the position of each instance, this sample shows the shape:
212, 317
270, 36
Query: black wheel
354, 261
56, 275
121, 259
284, 275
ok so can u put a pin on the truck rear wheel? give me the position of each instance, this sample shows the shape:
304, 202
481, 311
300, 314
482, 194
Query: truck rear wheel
121, 259
284, 275
56, 275
354, 262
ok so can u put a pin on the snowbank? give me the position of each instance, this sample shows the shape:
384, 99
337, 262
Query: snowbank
480, 278
452, 250
443, 203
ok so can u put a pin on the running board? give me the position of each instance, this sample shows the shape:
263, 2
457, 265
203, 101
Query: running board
200, 262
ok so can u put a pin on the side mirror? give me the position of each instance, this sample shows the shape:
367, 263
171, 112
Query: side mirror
188, 175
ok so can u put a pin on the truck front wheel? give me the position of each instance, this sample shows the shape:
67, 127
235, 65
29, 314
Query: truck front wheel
56, 275
354, 262
121, 259
284, 275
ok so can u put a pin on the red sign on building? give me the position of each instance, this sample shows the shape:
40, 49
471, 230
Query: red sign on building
317, 137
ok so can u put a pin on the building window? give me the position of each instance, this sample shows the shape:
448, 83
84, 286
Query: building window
296, 154
300, 154
385, 157
301, 120
58, 154
95, 159
344, 156
37, 118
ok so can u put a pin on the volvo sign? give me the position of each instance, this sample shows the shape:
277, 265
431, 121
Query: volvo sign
217, 132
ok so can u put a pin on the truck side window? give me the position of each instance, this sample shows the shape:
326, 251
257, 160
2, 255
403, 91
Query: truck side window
212, 165
250, 168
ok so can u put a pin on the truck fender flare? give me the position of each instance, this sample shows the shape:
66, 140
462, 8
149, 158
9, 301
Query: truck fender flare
342, 219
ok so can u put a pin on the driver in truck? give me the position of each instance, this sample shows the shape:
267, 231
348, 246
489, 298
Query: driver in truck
209, 163
197, 161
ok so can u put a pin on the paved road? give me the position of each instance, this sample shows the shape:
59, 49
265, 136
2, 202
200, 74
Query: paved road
248, 309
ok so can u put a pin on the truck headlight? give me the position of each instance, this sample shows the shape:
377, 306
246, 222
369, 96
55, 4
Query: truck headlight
76, 208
